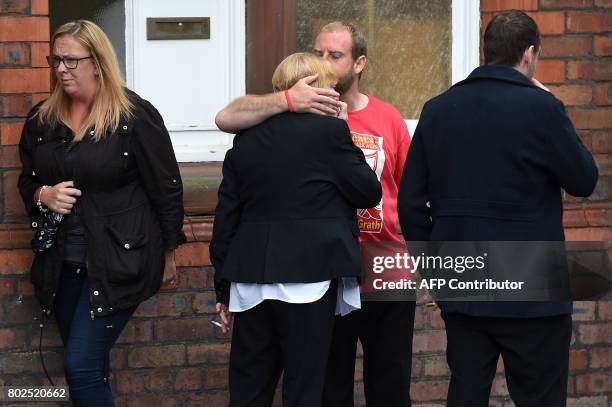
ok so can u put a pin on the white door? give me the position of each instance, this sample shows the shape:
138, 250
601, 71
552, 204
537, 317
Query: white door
188, 80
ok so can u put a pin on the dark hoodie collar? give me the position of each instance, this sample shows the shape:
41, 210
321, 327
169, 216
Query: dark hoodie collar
497, 72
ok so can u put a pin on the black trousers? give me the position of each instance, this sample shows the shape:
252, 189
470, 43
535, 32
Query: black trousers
535, 352
385, 330
276, 337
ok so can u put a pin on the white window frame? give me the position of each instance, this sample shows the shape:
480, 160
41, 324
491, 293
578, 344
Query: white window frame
190, 147
465, 43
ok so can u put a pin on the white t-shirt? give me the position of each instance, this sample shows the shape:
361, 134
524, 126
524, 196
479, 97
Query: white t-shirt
244, 296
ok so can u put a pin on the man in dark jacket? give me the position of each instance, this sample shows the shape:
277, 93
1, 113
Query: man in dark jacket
487, 163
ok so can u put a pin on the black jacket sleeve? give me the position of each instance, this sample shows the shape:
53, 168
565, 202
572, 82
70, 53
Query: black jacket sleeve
570, 162
28, 183
355, 179
227, 219
413, 196
159, 172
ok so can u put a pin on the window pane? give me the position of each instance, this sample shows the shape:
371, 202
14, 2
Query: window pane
108, 14
409, 45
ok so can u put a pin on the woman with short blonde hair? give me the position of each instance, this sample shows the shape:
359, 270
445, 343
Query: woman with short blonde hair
285, 247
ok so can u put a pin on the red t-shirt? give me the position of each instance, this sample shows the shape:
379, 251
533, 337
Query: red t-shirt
381, 133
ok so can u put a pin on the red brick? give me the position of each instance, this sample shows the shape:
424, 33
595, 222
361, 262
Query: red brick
165, 305
21, 311
500, 5
192, 254
118, 357
603, 3
429, 341
605, 310
14, 6
193, 278
13, 204
574, 218
15, 261
160, 379
580, 21
435, 366
594, 383
578, 359
40, 7
24, 80
215, 353
24, 29
15, 105
601, 358
204, 302
215, 378
156, 356
429, 390
601, 142
7, 288
14, 53
11, 338
590, 70
599, 217
421, 317
549, 22
188, 379
202, 230
566, 46
25, 288
129, 381
603, 94
436, 318
9, 158
601, 401
572, 95
184, 329
550, 71
500, 387
584, 311
595, 333
600, 118
10, 132
588, 234
209, 399
564, 4
40, 50
137, 331
39, 97
29, 362
161, 400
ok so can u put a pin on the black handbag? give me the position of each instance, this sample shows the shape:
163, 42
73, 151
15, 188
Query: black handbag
46, 230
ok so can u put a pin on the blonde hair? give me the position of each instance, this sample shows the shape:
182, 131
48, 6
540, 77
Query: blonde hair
300, 65
111, 102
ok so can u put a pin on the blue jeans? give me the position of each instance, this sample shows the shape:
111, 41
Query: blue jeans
87, 342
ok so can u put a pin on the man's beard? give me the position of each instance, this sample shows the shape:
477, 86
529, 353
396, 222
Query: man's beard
344, 83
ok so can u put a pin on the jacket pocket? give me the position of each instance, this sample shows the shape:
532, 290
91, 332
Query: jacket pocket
126, 255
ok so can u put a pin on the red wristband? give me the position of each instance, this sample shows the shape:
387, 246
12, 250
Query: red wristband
289, 104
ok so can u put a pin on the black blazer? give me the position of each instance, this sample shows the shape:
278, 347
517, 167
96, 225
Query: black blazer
491, 156
287, 203
131, 205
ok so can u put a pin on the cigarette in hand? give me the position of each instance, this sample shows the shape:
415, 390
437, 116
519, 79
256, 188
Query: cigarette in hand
217, 324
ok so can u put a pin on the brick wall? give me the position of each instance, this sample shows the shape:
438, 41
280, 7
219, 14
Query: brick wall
171, 355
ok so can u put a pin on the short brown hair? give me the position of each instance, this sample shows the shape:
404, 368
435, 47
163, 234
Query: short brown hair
359, 46
507, 37
300, 65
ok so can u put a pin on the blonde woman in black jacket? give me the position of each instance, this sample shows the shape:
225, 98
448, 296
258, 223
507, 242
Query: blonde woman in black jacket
99, 156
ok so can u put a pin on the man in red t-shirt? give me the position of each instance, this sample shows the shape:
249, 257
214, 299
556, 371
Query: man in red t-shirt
385, 328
